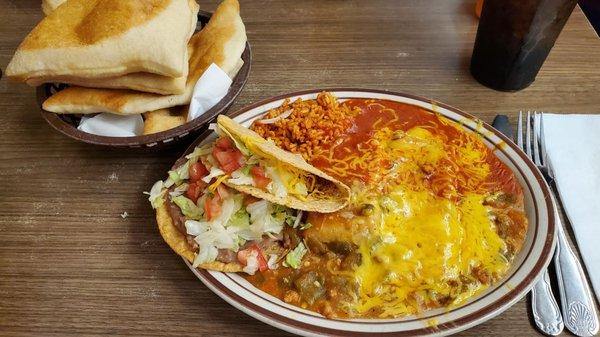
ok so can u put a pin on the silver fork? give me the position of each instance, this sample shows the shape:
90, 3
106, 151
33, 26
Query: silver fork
546, 313
577, 302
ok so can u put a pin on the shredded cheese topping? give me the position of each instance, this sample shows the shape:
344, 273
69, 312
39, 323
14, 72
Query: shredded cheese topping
424, 207
425, 250
434, 242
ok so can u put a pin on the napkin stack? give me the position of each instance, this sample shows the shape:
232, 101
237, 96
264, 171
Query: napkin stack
131, 58
573, 147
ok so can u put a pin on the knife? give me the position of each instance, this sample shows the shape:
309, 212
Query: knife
546, 312
502, 124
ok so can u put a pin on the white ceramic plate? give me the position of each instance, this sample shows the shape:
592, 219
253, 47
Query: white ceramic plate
527, 266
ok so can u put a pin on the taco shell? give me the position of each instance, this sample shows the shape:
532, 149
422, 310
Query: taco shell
336, 194
177, 241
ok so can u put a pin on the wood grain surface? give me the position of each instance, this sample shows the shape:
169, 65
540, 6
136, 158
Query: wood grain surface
71, 265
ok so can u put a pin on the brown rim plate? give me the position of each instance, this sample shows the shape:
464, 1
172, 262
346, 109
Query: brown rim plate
527, 266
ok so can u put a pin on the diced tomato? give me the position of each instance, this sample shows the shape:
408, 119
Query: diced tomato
229, 159
244, 254
260, 178
223, 191
212, 207
197, 171
224, 143
194, 190
248, 199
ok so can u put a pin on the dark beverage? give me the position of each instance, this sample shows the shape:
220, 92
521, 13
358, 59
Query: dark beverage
514, 38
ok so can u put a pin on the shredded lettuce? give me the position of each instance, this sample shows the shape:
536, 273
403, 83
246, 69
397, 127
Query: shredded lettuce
259, 209
184, 170
200, 151
285, 215
173, 175
188, 208
233, 227
294, 221
262, 220
230, 207
215, 237
196, 228
169, 182
253, 160
281, 214
156, 194
214, 172
276, 186
294, 258
240, 219
209, 161
179, 190
238, 241
246, 169
217, 233
277, 208
181, 173
206, 254
297, 219
290, 220
305, 226
240, 177
252, 263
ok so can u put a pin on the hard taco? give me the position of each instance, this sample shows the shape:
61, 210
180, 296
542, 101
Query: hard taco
245, 161
232, 206
226, 230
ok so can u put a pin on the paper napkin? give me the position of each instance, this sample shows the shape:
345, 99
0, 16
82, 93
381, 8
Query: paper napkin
573, 147
211, 87
107, 124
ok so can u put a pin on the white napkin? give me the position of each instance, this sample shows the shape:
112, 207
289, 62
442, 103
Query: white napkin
107, 124
211, 87
573, 147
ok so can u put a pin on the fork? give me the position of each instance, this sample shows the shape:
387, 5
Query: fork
546, 313
577, 302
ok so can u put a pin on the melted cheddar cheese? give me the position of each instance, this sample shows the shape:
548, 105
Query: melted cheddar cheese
424, 247
433, 241
420, 214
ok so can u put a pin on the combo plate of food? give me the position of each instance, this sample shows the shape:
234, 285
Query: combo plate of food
351, 211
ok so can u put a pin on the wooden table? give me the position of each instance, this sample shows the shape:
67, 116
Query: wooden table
71, 265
